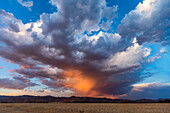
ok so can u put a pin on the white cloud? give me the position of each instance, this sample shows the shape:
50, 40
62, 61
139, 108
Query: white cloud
27, 4
163, 50
153, 58
133, 56
149, 22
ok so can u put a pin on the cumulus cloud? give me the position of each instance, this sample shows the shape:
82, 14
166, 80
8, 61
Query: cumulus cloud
125, 59
26, 3
149, 22
59, 50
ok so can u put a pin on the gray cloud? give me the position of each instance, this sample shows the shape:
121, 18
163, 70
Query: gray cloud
14, 27
16, 83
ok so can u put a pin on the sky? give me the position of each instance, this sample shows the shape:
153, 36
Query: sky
96, 48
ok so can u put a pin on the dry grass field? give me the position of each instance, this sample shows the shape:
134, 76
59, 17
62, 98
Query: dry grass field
84, 108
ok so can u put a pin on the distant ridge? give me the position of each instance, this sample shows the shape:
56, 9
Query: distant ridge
73, 99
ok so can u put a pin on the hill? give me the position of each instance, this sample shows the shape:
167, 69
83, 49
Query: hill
73, 99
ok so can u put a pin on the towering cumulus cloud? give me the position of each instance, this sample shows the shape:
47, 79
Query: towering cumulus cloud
64, 52
149, 22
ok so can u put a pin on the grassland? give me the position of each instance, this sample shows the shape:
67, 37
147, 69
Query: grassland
84, 108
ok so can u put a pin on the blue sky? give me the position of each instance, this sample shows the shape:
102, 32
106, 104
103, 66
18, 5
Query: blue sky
39, 7
52, 47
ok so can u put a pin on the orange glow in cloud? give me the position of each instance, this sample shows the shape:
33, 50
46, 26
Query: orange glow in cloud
81, 84
25, 67
10, 61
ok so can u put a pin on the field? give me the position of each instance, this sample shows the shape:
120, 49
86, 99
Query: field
84, 108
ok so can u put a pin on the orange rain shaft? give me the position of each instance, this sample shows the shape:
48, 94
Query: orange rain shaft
81, 84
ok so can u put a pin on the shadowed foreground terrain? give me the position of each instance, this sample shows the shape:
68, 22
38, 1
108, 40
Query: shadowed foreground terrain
84, 108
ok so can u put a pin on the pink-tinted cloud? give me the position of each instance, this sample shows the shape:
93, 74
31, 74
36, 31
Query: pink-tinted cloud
1, 67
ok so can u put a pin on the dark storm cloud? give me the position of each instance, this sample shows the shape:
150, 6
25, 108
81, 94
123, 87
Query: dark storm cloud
16, 83
151, 91
56, 44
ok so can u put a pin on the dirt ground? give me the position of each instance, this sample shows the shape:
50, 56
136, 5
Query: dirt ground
84, 108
